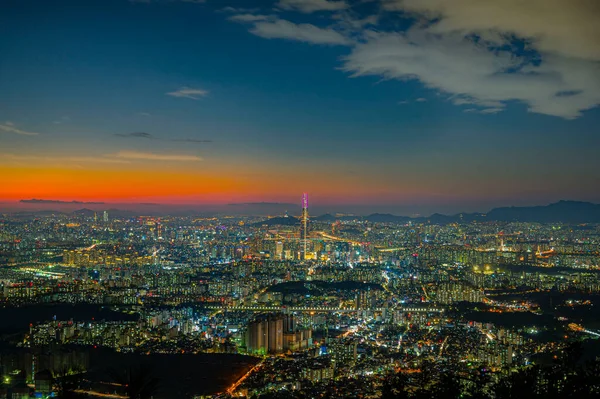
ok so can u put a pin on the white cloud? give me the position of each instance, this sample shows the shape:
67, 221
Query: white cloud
462, 100
566, 27
282, 29
421, 100
468, 50
150, 156
248, 18
309, 6
9, 127
475, 74
491, 110
187, 92
349, 21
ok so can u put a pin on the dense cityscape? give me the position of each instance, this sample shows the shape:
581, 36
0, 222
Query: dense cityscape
324, 306
299, 199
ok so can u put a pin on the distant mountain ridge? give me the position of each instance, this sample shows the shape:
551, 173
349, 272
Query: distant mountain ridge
279, 221
386, 217
43, 201
562, 211
574, 212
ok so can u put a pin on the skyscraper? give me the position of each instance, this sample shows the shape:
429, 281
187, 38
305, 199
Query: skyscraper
304, 224
265, 334
105, 217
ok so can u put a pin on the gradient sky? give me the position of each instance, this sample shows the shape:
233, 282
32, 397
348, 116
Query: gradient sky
412, 105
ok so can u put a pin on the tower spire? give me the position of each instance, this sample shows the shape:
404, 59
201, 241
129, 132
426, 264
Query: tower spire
304, 224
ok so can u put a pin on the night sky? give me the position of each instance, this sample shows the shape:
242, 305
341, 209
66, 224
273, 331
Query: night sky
407, 105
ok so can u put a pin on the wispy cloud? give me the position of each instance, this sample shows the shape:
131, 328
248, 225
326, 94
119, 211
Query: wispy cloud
248, 18
139, 135
144, 114
151, 156
417, 100
192, 140
491, 110
308, 33
483, 111
120, 157
310, 6
237, 10
165, 1
462, 100
61, 160
61, 120
188, 92
149, 136
9, 127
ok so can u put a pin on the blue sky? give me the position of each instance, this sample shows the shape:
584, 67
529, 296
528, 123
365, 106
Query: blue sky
409, 104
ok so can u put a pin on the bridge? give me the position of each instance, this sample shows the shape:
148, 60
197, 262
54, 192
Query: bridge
321, 309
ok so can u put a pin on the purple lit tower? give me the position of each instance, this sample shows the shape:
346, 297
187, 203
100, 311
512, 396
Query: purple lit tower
304, 226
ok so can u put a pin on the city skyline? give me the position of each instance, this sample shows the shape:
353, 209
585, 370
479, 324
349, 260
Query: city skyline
298, 199
399, 106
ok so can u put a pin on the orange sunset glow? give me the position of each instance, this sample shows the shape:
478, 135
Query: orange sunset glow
165, 186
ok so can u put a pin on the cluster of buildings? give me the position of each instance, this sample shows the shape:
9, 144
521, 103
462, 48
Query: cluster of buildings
276, 333
323, 302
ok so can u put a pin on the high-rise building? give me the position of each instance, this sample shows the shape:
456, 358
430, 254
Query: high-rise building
279, 250
304, 225
295, 338
265, 334
105, 217
344, 352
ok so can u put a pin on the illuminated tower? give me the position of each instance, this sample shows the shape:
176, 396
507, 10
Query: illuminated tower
304, 226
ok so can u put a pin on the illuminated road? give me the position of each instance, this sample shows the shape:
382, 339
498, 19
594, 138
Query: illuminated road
391, 249
100, 395
579, 328
443, 346
236, 384
328, 236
